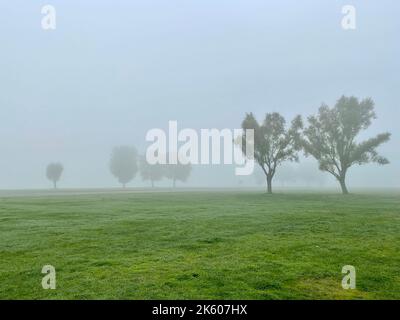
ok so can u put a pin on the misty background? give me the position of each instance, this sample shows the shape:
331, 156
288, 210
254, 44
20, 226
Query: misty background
112, 70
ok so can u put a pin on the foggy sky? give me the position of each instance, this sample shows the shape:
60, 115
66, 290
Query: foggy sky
112, 70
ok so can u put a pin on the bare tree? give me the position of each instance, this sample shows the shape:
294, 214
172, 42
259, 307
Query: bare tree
53, 172
331, 137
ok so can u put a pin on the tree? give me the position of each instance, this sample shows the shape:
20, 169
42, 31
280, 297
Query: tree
273, 143
331, 137
123, 164
178, 172
53, 172
151, 172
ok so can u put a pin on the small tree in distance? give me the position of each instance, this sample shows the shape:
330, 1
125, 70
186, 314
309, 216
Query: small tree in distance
178, 172
151, 172
273, 143
331, 137
123, 164
53, 172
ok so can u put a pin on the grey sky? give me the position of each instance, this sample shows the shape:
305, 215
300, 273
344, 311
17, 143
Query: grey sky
114, 69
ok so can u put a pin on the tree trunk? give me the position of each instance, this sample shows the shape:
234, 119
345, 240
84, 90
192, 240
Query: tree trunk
173, 183
269, 184
55, 184
123, 185
342, 181
152, 183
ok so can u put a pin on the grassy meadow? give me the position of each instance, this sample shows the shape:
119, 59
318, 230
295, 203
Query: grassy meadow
200, 245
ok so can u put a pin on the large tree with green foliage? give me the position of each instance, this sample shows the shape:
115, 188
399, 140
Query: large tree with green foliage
273, 142
331, 137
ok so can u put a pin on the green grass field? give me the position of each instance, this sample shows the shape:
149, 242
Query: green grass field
200, 245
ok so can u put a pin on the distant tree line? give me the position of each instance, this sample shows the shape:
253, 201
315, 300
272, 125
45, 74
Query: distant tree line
330, 137
125, 164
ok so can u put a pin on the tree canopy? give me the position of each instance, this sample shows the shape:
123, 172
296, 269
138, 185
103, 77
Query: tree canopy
124, 163
53, 172
151, 172
331, 137
177, 172
273, 142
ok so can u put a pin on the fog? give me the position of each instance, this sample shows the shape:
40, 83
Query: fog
112, 70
